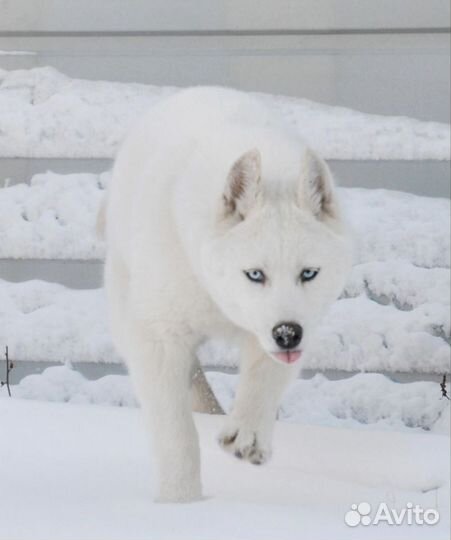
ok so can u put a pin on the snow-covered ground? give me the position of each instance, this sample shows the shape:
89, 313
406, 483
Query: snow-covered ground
363, 401
80, 472
47, 114
82, 469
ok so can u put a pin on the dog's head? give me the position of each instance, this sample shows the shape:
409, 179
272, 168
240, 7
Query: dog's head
280, 256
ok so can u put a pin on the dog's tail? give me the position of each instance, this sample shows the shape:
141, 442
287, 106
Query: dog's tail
203, 398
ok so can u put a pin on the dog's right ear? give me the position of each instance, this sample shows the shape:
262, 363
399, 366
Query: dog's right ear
243, 187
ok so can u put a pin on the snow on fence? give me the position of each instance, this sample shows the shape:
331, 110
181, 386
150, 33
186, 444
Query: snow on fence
47, 114
394, 314
43, 321
54, 218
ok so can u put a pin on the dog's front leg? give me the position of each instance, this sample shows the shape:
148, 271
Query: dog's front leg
249, 427
160, 370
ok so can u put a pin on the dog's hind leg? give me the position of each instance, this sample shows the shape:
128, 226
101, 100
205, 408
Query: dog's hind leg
203, 398
249, 427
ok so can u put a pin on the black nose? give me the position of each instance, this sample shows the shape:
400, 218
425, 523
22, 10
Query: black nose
287, 335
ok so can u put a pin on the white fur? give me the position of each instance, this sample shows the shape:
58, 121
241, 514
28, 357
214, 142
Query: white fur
206, 186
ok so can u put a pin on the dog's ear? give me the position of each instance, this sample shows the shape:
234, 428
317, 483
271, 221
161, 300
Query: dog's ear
316, 187
243, 188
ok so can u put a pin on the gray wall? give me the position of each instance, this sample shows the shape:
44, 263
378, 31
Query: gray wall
220, 15
387, 57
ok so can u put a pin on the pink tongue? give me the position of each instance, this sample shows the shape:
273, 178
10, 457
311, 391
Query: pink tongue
288, 357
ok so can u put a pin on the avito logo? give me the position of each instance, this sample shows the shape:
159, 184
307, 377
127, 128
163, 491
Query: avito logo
361, 514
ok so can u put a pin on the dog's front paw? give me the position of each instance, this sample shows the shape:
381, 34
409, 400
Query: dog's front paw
247, 443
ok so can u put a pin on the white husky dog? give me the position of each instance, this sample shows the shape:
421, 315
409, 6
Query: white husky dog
218, 221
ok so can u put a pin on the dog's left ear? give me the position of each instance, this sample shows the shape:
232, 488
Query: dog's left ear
316, 187
243, 189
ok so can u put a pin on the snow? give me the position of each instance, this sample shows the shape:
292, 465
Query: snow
67, 385
363, 401
54, 217
385, 222
366, 401
49, 322
360, 334
399, 282
80, 472
46, 321
47, 114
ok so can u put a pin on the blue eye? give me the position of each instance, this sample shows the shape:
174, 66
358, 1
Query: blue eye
255, 275
308, 274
